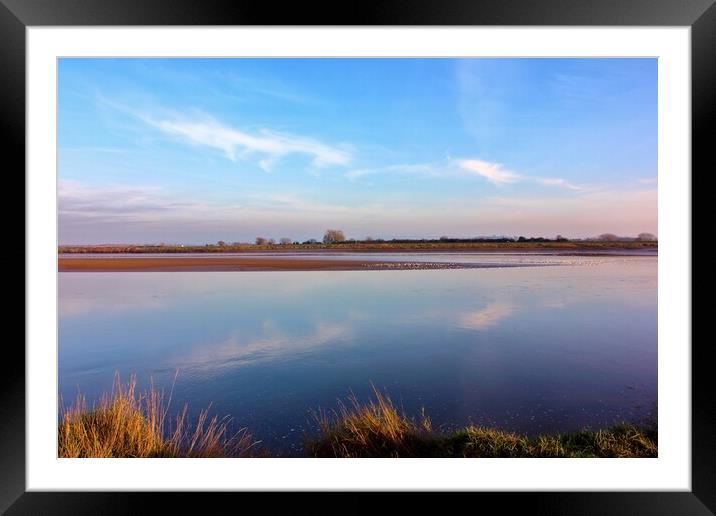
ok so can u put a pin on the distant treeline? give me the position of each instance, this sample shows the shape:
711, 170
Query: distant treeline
372, 244
450, 240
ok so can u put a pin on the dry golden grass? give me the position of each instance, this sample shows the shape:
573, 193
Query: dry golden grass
375, 429
130, 424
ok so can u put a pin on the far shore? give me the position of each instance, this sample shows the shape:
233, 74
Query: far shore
297, 261
314, 257
546, 246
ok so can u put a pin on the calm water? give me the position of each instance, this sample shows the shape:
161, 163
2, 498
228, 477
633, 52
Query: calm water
531, 349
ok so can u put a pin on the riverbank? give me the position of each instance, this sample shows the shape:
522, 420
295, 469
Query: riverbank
247, 263
127, 424
173, 264
318, 261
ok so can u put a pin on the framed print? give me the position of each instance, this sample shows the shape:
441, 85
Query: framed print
410, 250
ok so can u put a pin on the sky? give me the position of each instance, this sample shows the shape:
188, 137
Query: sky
193, 151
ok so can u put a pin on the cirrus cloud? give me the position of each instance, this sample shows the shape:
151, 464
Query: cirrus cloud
563, 183
493, 172
234, 142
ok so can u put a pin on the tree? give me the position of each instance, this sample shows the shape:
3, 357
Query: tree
261, 241
285, 241
221, 243
646, 237
272, 241
608, 237
333, 235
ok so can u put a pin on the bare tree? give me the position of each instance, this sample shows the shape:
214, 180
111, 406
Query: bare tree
333, 235
646, 237
261, 241
285, 241
272, 241
221, 243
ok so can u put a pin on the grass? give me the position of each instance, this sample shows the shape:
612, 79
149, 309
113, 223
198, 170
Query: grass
127, 424
623, 440
378, 429
130, 424
374, 429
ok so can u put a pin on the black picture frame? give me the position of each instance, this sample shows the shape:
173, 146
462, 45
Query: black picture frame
16, 15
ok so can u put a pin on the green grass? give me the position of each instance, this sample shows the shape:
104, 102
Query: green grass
624, 440
127, 424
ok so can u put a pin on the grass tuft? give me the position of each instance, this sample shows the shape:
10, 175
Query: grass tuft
374, 429
128, 424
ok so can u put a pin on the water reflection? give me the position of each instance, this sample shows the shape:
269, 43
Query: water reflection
526, 349
489, 316
237, 350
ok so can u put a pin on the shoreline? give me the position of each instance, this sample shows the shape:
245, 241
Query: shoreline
302, 261
245, 264
201, 264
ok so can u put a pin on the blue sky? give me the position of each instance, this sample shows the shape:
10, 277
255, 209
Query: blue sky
200, 150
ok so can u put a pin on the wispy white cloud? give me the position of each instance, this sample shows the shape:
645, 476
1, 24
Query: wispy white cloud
147, 204
236, 143
493, 172
496, 173
422, 169
201, 129
562, 183
76, 198
268, 164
